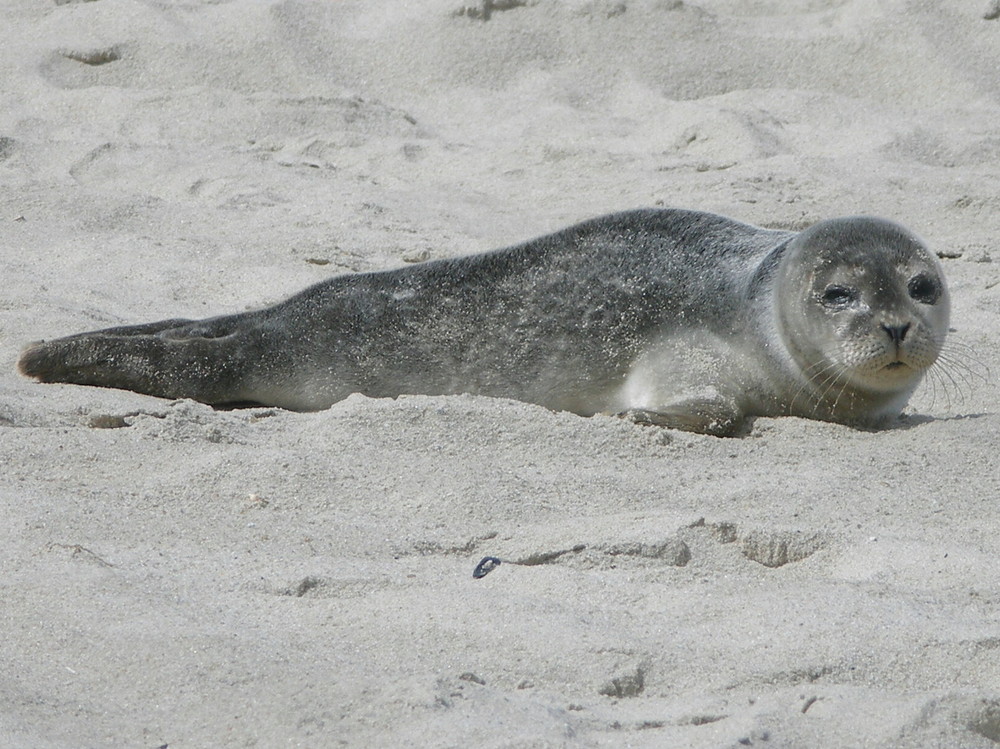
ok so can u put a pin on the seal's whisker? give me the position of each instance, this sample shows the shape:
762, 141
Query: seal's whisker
937, 376
961, 378
843, 389
811, 375
965, 358
830, 377
958, 371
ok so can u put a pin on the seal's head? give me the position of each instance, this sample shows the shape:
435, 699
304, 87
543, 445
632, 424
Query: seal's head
862, 308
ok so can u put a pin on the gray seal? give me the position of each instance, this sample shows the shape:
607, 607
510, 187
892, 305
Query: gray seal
676, 318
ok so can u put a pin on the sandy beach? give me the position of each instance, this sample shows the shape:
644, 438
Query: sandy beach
178, 576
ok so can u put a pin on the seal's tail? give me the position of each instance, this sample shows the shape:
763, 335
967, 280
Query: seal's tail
170, 359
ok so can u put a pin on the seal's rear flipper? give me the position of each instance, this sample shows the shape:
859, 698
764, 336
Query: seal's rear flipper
169, 359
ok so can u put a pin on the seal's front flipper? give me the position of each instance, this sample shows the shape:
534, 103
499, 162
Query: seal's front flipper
718, 417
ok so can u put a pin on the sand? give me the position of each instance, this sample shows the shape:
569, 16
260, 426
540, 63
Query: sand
178, 576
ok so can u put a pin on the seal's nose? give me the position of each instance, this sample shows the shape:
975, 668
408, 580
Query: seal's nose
896, 332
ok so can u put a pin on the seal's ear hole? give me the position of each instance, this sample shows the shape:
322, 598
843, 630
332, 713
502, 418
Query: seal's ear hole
924, 289
838, 297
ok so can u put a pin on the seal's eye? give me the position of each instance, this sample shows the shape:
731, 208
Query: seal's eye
838, 297
924, 289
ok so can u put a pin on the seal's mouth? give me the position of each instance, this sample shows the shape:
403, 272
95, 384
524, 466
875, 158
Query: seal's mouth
896, 368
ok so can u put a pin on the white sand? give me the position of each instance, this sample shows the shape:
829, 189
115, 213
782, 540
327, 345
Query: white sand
254, 578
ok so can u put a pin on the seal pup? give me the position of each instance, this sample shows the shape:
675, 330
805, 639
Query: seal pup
676, 318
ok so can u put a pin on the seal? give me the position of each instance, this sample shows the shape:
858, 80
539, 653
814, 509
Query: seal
676, 318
